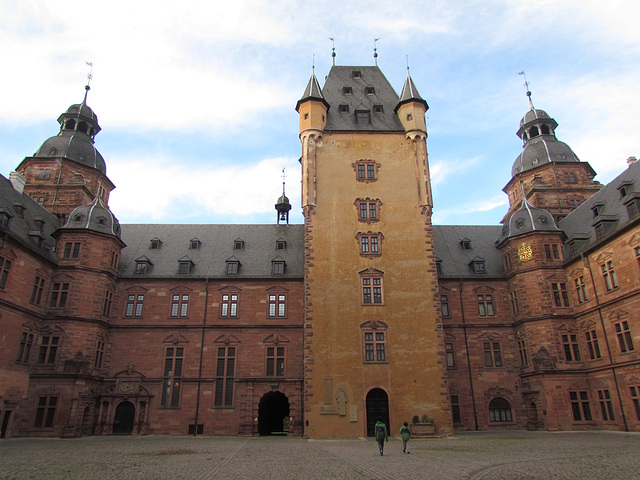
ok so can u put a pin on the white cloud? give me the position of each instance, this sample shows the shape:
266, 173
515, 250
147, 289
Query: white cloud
452, 214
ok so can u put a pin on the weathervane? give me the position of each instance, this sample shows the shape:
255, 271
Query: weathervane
526, 84
333, 50
89, 77
407, 57
375, 51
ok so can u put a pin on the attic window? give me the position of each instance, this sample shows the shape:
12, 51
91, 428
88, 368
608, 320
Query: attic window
39, 223
378, 108
369, 90
520, 223
281, 245
5, 219
535, 161
597, 210
194, 244
232, 267
466, 244
343, 108
633, 207
102, 221
356, 74
363, 117
20, 208
184, 267
238, 244
142, 267
439, 267
277, 267
479, 267
78, 218
155, 244
347, 91
625, 189
409, 117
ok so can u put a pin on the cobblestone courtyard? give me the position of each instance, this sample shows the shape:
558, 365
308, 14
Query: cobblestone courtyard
502, 455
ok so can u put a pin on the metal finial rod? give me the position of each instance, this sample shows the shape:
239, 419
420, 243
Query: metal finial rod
375, 51
283, 180
333, 50
89, 77
526, 84
407, 57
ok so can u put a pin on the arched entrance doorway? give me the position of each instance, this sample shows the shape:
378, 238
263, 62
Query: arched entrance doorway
272, 409
124, 417
377, 406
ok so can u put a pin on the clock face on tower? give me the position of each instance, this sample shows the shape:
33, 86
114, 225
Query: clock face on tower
525, 253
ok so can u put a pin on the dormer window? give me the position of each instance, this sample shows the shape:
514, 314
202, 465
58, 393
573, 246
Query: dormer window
356, 74
439, 267
597, 209
363, 117
141, 267
39, 223
281, 245
5, 218
277, 267
625, 189
466, 244
238, 244
378, 108
347, 91
369, 90
343, 108
19, 208
479, 267
194, 244
155, 244
184, 267
633, 205
232, 267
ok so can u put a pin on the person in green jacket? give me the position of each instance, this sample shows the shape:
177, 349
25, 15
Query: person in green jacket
405, 433
381, 434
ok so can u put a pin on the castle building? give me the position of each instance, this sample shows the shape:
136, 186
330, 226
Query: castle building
367, 310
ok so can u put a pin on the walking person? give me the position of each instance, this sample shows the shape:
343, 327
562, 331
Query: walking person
405, 433
381, 434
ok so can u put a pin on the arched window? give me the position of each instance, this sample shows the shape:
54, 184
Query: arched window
83, 127
534, 132
544, 129
70, 124
499, 410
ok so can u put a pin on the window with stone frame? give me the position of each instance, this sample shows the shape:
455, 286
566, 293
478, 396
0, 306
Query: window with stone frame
180, 305
374, 336
5, 266
106, 305
606, 405
560, 294
451, 354
363, 117
277, 305
229, 305
636, 251
99, 354
580, 407
366, 170
609, 275
552, 251
370, 243
485, 305
225, 372
499, 410
232, 267
133, 307
372, 288
492, 354
71, 250
522, 350
444, 306
570, 347
172, 377
38, 290
24, 348
515, 306
635, 398
592, 344
48, 349
275, 361
46, 411
623, 333
277, 267
368, 209
455, 409
59, 294
581, 290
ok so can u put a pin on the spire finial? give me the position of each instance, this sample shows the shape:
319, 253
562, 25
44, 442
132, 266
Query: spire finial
407, 58
333, 50
375, 51
89, 77
526, 84
283, 180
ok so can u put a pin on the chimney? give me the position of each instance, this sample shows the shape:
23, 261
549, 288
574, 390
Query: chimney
17, 180
631, 160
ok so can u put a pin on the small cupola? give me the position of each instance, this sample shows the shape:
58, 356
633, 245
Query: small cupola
283, 206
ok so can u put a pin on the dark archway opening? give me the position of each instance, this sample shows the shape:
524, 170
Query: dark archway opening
124, 417
377, 406
272, 409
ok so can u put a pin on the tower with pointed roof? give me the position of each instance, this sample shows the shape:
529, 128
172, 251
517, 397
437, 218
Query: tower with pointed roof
373, 343
67, 170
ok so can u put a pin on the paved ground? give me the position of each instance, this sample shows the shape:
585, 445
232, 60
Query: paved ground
486, 456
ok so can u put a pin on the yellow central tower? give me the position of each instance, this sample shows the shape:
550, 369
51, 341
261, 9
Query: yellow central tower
373, 335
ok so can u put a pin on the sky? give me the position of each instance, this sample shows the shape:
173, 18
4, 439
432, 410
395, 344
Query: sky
196, 99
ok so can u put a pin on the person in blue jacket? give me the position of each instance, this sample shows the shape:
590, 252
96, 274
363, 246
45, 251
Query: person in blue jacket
381, 433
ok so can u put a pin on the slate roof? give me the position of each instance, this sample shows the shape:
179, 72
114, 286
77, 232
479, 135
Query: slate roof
384, 95
579, 225
30, 224
458, 262
216, 247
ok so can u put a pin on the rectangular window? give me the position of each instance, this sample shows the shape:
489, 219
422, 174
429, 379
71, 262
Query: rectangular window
134, 305
59, 294
141, 268
560, 294
275, 361
609, 276
179, 305
99, 356
229, 305
444, 305
5, 266
371, 171
580, 406
363, 117
48, 349
606, 405
225, 369
172, 377
492, 355
635, 398
552, 251
277, 305
36, 292
451, 355
361, 171
24, 349
522, 348
571, 349
625, 340
485, 305
278, 268
232, 268
368, 210
106, 307
581, 290
364, 244
592, 344
184, 268
374, 347
515, 306
45, 412
372, 293
71, 250
455, 409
